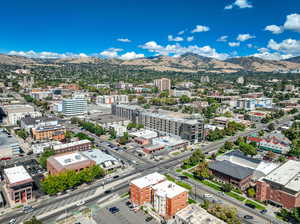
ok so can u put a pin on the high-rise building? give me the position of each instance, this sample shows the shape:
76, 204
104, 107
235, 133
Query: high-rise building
170, 123
75, 106
163, 84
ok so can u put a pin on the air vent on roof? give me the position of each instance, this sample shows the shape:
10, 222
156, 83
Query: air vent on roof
67, 160
93, 156
78, 157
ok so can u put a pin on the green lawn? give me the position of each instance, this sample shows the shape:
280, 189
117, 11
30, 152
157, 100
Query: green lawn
178, 170
257, 205
236, 196
210, 184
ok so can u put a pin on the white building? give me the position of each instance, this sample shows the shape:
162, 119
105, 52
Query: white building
163, 84
39, 148
179, 93
75, 106
110, 99
119, 129
147, 134
16, 112
194, 214
240, 80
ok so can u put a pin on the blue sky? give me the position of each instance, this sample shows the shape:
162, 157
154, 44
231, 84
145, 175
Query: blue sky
130, 29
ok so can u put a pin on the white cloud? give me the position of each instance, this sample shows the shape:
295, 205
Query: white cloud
292, 22
234, 44
222, 38
249, 45
177, 49
228, 7
125, 40
272, 56
200, 28
46, 54
131, 55
239, 3
189, 39
274, 29
177, 39
110, 53
244, 37
181, 32
287, 46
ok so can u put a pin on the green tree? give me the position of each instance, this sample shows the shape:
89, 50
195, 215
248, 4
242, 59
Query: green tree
113, 133
271, 127
44, 156
227, 187
261, 133
251, 192
247, 149
202, 171
228, 145
184, 99
22, 133
33, 220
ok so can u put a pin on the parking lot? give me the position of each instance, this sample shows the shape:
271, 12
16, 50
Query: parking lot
124, 216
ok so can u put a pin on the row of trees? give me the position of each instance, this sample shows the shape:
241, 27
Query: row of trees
275, 115
93, 128
44, 156
293, 134
22, 133
134, 126
194, 159
59, 183
230, 130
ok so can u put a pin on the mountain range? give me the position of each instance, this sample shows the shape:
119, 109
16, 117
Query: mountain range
188, 62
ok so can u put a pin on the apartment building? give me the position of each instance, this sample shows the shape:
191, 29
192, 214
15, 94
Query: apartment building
18, 185
110, 99
169, 123
282, 186
16, 112
179, 93
51, 132
81, 145
253, 103
166, 197
75, 106
28, 122
163, 84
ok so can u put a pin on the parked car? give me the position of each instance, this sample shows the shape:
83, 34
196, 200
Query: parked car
27, 209
113, 210
264, 211
248, 217
148, 219
250, 205
80, 203
207, 196
183, 177
12, 221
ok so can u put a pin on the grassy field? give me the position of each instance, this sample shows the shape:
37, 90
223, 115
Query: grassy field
236, 196
257, 205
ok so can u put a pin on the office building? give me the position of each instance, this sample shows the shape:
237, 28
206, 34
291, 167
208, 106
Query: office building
282, 186
162, 84
18, 185
75, 106
194, 214
118, 99
179, 93
69, 161
28, 122
16, 112
253, 103
164, 122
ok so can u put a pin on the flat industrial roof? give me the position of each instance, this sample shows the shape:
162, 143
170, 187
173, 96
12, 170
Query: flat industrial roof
147, 134
17, 174
168, 189
148, 180
98, 156
287, 175
70, 158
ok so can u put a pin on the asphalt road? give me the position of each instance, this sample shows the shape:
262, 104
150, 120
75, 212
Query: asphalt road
56, 202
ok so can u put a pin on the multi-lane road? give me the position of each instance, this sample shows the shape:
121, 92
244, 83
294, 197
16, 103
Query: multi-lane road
143, 168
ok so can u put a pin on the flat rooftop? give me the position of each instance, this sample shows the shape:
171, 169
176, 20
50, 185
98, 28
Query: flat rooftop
168, 189
147, 134
71, 144
194, 214
148, 180
17, 174
18, 108
68, 159
287, 175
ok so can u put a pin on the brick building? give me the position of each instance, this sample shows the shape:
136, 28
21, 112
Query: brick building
282, 186
69, 161
18, 185
167, 198
56, 132
73, 146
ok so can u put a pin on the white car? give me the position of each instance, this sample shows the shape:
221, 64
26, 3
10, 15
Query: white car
79, 203
207, 196
12, 221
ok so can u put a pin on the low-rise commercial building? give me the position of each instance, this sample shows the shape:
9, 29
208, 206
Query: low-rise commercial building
40, 147
227, 172
194, 214
28, 122
16, 112
253, 103
179, 93
81, 145
69, 161
18, 185
282, 186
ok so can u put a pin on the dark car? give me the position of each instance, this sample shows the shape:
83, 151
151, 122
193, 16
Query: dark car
107, 191
183, 177
250, 205
264, 211
248, 217
148, 219
128, 203
113, 210
115, 177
